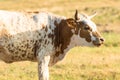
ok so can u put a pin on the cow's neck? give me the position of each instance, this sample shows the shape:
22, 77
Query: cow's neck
62, 40
63, 37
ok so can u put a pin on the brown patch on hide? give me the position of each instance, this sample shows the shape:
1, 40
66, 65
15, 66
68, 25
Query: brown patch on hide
85, 33
63, 35
43, 26
50, 36
36, 12
46, 29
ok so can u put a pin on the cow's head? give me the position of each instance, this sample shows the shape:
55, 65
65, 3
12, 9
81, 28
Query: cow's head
84, 31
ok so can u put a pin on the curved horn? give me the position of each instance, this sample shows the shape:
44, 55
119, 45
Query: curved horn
76, 15
90, 17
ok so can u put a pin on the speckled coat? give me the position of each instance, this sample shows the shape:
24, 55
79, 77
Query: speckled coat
23, 36
43, 37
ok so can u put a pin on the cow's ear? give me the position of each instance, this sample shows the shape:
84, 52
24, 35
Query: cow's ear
76, 16
71, 23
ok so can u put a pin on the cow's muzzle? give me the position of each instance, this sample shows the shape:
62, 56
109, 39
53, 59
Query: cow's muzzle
98, 42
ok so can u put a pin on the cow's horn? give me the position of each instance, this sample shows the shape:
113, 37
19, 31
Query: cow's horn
90, 17
76, 15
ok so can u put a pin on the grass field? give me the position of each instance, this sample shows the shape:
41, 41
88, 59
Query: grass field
81, 63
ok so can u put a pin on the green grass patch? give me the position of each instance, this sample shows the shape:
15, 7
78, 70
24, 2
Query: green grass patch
112, 39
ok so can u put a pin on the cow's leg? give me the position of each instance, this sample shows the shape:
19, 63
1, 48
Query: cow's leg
43, 70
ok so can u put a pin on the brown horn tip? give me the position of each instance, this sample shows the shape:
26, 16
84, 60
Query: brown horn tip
76, 15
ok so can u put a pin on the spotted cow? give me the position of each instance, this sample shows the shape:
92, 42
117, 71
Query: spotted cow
44, 37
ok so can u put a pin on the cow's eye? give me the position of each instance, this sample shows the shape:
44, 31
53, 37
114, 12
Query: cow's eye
87, 28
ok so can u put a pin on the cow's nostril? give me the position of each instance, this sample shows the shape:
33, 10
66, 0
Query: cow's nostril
101, 39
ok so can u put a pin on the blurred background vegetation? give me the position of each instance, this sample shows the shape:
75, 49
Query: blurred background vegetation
81, 63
